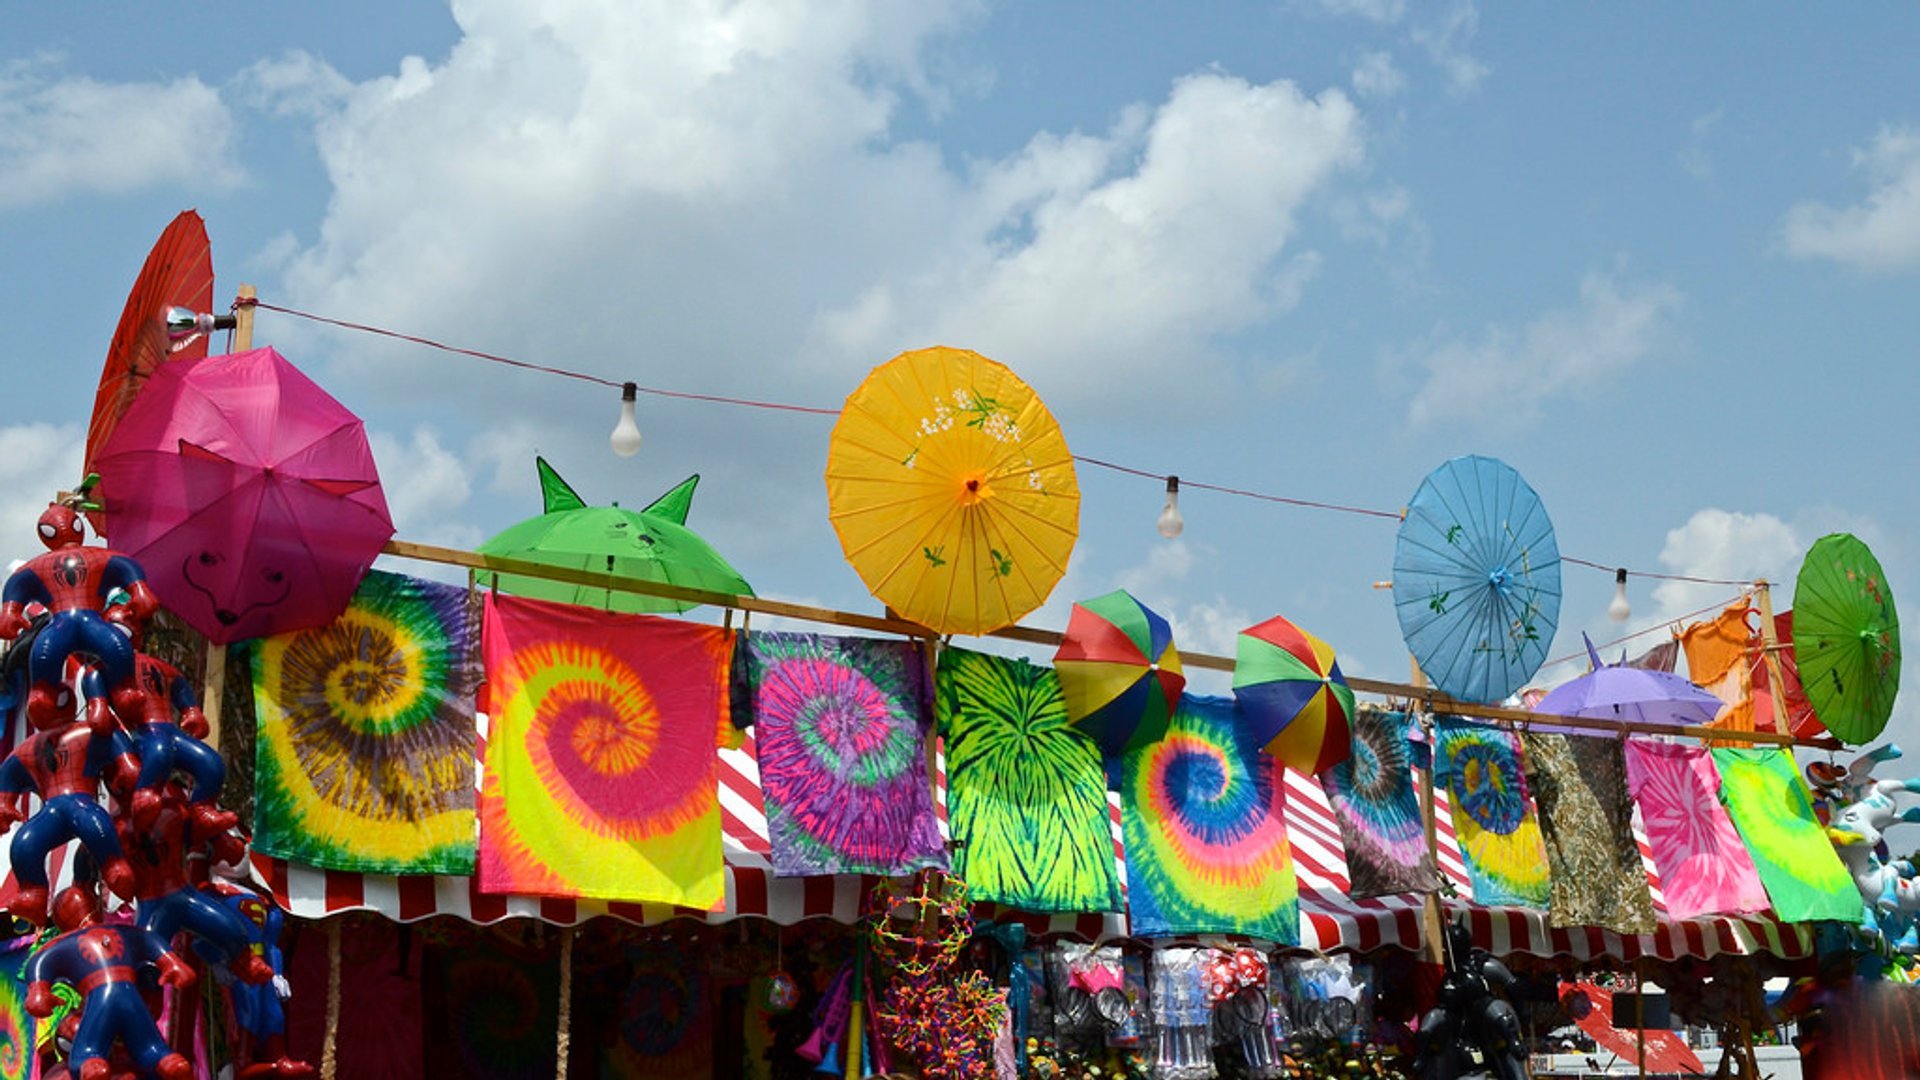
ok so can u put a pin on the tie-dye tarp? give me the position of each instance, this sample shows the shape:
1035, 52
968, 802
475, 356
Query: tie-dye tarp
1586, 819
1770, 806
491, 1005
840, 727
1378, 810
1704, 866
1026, 794
1203, 813
366, 733
1492, 813
601, 769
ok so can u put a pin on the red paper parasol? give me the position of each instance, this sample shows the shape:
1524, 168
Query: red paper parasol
178, 272
247, 493
1591, 1007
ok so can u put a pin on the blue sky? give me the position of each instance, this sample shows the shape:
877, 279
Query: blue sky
1662, 260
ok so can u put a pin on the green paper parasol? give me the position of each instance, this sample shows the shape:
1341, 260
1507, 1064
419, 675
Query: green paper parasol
1846, 637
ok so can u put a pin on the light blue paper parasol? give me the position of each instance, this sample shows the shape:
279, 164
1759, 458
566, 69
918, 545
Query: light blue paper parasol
1476, 579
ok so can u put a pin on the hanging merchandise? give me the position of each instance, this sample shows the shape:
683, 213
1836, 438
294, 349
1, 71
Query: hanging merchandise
952, 491
601, 775
1492, 813
839, 730
1237, 988
1182, 1017
1846, 638
944, 1019
249, 494
1704, 865
1476, 579
366, 733
1474, 1028
1586, 818
1769, 804
1718, 660
1203, 817
19, 1032
102, 962
1296, 703
1623, 693
651, 544
1378, 811
1119, 672
1026, 794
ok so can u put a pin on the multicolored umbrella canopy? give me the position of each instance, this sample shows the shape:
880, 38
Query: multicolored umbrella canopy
1846, 637
1119, 672
178, 272
247, 493
952, 490
1292, 696
653, 544
1476, 579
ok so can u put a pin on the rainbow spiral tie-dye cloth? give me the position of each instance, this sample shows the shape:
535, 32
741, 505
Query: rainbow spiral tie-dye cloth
840, 728
1203, 813
18, 1029
1769, 804
366, 733
1026, 793
601, 766
1378, 810
1704, 865
1493, 814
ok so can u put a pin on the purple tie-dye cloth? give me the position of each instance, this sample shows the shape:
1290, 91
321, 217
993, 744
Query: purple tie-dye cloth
840, 724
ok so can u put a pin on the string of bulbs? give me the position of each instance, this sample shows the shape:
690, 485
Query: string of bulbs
184, 325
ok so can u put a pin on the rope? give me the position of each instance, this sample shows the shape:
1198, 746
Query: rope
330, 1048
562, 1045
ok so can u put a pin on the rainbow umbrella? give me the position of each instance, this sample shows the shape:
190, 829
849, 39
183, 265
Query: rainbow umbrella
1296, 702
1119, 672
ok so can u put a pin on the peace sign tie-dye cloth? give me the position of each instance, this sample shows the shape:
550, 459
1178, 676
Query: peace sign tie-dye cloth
1026, 793
1492, 813
364, 758
1378, 810
840, 727
1770, 806
1586, 818
1203, 814
601, 769
1704, 866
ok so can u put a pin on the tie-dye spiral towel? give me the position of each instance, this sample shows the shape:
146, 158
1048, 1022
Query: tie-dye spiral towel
1492, 813
840, 725
1374, 801
1770, 806
601, 770
1026, 793
18, 1028
1704, 866
365, 749
1586, 817
1203, 813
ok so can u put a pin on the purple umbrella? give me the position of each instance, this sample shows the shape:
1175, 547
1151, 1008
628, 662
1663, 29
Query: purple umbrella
1633, 694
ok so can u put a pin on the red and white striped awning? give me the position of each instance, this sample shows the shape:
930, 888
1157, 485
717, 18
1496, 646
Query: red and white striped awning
1329, 919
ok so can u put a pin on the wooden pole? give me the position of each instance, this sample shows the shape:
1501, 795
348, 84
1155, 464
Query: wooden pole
1433, 942
213, 678
1439, 702
1770, 638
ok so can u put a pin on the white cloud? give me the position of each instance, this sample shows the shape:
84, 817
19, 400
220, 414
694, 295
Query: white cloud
1728, 546
294, 84
61, 136
1446, 42
1882, 231
1694, 157
1511, 374
427, 487
1384, 12
36, 462
1375, 76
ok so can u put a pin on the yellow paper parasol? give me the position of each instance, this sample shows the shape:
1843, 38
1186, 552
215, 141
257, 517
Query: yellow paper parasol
952, 490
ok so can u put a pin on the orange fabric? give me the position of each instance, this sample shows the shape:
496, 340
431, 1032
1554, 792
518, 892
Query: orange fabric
1717, 659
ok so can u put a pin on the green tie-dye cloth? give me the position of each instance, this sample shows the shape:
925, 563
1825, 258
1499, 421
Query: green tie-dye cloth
1026, 793
1770, 806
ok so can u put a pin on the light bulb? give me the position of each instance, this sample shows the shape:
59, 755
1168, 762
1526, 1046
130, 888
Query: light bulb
626, 433
186, 326
1171, 524
1619, 609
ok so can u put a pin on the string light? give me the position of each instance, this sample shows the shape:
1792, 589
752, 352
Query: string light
1169, 515
626, 434
1619, 610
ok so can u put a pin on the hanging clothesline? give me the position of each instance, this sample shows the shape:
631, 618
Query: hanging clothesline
1427, 698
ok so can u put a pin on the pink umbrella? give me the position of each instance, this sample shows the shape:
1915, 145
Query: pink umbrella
246, 492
